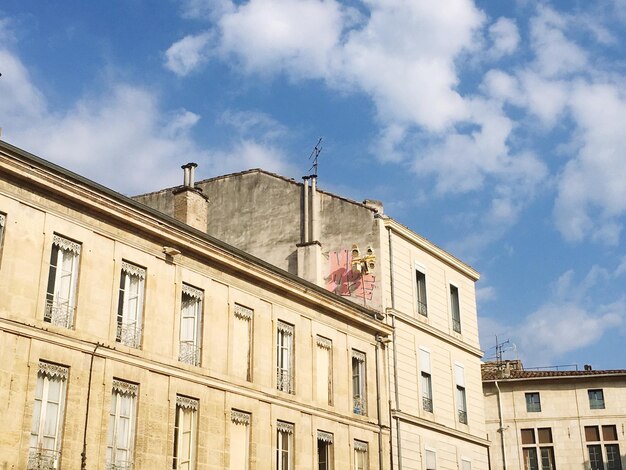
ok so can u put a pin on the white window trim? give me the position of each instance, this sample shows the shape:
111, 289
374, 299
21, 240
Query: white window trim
185, 403
283, 427
190, 348
129, 330
121, 389
60, 306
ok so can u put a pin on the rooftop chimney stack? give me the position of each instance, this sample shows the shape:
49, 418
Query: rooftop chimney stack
309, 250
190, 205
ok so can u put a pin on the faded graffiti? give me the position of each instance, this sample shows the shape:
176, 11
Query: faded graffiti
343, 281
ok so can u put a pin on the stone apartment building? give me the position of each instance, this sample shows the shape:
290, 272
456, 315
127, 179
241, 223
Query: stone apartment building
131, 340
353, 249
555, 419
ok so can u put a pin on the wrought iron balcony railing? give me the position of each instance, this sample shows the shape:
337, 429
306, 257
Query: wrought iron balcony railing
462, 416
456, 325
421, 308
189, 353
59, 313
360, 405
43, 459
427, 404
129, 335
119, 465
284, 381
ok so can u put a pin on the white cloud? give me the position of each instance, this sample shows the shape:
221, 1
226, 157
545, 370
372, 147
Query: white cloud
504, 36
187, 54
591, 191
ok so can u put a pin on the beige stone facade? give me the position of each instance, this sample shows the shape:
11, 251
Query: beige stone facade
551, 419
356, 251
143, 343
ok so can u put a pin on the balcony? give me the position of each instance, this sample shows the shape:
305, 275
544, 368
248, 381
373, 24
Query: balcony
456, 325
462, 416
284, 381
427, 404
43, 459
421, 308
119, 465
359, 405
129, 335
189, 353
59, 313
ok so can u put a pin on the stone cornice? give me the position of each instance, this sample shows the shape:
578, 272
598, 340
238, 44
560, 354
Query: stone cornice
416, 420
420, 325
431, 248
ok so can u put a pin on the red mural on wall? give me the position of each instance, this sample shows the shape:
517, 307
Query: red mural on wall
343, 281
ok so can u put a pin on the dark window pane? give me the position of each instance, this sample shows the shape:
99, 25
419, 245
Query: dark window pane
595, 456
592, 434
545, 435
528, 436
609, 433
530, 459
613, 459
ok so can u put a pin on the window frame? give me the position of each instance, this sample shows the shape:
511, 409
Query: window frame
324, 346
426, 385
595, 402
185, 406
361, 455
455, 308
121, 390
240, 418
61, 294
602, 438
129, 330
461, 396
531, 405
191, 301
241, 313
421, 296
40, 454
325, 441
284, 435
541, 447
285, 344
359, 382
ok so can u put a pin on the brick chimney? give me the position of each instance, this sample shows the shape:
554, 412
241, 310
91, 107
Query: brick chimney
190, 205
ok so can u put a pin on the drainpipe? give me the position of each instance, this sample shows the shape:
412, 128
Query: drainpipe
501, 430
395, 355
83, 455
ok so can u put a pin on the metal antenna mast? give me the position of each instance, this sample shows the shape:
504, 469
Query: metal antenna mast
314, 155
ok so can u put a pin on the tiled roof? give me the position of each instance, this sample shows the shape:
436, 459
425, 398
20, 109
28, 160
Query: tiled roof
490, 374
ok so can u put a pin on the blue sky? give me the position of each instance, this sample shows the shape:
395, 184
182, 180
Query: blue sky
495, 129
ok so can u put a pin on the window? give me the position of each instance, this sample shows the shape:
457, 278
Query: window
284, 446
426, 381
431, 460
190, 325
456, 310
595, 439
284, 357
48, 411
62, 280
324, 450
596, 399
358, 382
130, 305
122, 422
3, 221
360, 455
420, 286
242, 342
461, 402
538, 457
324, 370
185, 425
239, 440
533, 402
466, 464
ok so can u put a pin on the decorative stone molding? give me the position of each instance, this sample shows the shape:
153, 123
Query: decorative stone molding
325, 436
285, 328
358, 355
240, 417
186, 402
125, 388
243, 313
360, 446
281, 426
193, 292
133, 270
65, 244
53, 371
324, 343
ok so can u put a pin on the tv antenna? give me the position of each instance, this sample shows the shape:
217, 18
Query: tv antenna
503, 347
314, 156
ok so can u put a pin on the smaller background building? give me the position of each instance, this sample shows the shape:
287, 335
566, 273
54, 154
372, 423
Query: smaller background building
559, 419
